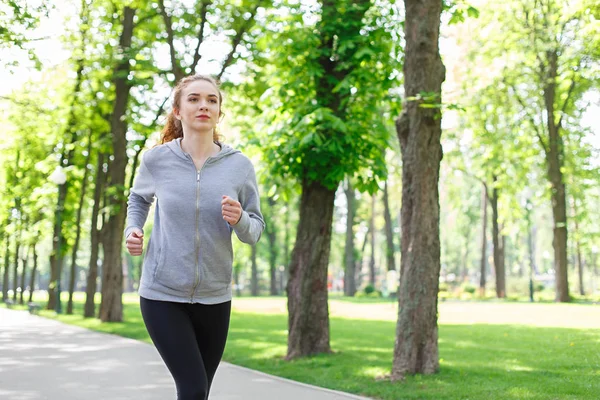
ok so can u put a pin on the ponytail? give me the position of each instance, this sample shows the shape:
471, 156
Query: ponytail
172, 129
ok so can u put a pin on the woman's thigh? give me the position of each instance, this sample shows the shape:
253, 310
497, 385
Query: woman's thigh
171, 329
211, 324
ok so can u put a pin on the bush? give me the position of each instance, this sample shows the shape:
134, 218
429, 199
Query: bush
468, 288
539, 287
369, 289
443, 287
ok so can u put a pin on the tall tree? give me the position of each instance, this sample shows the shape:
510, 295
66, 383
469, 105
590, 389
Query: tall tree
80, 206
111, 306
549, 70
89, 310
317, 151
419, 131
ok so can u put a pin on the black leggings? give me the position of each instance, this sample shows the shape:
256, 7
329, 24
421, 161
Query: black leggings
190, 339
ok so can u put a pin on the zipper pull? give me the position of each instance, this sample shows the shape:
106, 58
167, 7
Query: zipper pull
198, 176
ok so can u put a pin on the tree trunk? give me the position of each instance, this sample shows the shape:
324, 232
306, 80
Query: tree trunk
6, 276
111, 306
482, 269
271, 232
286, 247
499, 268
349, 251
16, 265
23, 276
419, 131
73, 272
90, 290
360, 263
579, 259
464, 273
254, 279
372, 260
236, 276
594, 269
308, 311
531, 248
66, 159
54, 272
33, 272
555, 156
580, 270
389, 234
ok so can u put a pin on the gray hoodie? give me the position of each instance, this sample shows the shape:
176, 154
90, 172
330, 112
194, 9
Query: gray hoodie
189, 256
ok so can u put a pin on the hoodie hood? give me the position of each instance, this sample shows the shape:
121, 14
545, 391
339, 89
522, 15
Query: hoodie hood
175, 147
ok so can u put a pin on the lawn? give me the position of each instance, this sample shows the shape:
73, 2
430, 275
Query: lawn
487, 350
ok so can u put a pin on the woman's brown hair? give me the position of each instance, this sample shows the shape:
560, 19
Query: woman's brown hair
173, 128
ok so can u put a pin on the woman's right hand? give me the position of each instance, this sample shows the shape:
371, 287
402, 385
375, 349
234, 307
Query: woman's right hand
135, 242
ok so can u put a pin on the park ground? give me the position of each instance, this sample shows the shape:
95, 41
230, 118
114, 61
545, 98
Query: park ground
488, 350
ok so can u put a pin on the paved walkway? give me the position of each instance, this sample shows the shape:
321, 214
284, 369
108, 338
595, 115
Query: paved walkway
45, 359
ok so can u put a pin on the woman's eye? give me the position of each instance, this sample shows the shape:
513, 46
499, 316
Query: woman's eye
213, 101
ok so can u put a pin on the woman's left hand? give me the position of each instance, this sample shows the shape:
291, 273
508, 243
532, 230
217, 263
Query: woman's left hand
231, 210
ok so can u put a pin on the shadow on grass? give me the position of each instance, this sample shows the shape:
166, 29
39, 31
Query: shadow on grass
477, 361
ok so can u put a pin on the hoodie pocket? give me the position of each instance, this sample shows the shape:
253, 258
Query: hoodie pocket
216, 277
175, 271
157, 264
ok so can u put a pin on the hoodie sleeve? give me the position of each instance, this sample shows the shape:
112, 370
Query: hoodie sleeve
251, 224
140, 199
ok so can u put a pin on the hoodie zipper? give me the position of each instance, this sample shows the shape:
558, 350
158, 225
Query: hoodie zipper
197, 280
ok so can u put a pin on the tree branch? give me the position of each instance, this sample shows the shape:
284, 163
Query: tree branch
140, 21
24, 104
160, 111
238, 38
565, 104
529, 116
203, 12
175, 67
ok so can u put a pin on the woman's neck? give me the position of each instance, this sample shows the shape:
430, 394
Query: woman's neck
199, 145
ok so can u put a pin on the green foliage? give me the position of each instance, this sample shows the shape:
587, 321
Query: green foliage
459, 10
17, 21
321, 86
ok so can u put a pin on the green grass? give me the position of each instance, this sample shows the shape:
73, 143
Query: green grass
477, 361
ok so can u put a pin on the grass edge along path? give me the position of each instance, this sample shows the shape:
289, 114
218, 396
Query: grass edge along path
478, 361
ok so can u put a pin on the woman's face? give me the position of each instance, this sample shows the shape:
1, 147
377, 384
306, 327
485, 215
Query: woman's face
199, 107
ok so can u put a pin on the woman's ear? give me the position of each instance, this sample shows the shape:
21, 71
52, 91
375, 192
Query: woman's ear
176, 114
